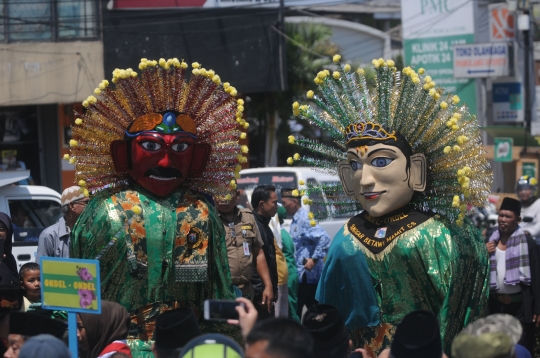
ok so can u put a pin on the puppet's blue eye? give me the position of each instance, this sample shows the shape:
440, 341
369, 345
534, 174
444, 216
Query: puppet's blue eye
151, 146
381, 162
180, 147
355, 165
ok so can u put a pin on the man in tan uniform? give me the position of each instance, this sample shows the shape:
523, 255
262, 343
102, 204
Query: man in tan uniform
244, 245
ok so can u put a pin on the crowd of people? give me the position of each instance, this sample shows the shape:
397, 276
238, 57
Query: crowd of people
302, 327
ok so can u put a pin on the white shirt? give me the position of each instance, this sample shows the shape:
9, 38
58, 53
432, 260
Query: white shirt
500, 256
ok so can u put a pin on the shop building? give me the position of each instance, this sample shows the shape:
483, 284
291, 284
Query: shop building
51, 58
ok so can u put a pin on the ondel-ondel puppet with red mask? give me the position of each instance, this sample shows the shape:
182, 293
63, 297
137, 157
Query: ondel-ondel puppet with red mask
411, 162
150, 147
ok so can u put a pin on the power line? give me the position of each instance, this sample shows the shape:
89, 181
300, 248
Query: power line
297, 43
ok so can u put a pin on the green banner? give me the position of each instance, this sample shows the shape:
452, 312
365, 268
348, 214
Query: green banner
435, 55
503, 149
529, 169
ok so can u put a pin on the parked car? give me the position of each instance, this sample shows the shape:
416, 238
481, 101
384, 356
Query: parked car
289, 177
32, 208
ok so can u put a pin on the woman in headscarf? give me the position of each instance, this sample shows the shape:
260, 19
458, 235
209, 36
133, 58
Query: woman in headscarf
10, 285
101, 335
8, 262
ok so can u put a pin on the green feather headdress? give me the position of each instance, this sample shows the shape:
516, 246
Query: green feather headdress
432, 121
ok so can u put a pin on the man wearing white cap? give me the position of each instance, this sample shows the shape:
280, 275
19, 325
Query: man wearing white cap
54, 240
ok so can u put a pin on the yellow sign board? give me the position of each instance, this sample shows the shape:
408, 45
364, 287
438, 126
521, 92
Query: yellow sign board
71, 285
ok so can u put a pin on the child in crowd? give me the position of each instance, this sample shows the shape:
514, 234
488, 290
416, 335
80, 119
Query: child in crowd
29, 275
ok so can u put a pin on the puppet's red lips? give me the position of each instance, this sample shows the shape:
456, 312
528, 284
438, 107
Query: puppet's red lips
373, 195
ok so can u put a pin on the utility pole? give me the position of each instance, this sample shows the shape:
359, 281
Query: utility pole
281, 20
524, 25
524, 21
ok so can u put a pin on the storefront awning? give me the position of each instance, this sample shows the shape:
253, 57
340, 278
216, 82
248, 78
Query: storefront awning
519, 135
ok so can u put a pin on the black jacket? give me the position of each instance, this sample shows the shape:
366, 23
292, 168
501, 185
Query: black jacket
269, 253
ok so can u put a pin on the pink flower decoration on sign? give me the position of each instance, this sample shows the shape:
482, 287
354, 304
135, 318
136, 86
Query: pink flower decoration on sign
86, 297
84, 274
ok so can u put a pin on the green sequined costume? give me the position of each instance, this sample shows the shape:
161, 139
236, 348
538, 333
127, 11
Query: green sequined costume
434, 266
155, 254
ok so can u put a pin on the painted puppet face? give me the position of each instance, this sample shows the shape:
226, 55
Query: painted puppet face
161, 162
380, 178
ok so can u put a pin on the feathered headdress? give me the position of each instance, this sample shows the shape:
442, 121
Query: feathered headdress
161, 86
407, 102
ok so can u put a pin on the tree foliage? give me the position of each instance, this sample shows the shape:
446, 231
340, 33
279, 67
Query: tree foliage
308, 50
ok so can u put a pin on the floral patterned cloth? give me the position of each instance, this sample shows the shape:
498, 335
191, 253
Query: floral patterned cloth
154, 249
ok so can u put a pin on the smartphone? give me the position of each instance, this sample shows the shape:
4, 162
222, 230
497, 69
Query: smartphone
356, 355
220, 310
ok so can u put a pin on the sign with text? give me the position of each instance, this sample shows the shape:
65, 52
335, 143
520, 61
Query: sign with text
507, 102
503, 149
482, 60
501, 23
71, 285
164, 4
529, 169
430, 30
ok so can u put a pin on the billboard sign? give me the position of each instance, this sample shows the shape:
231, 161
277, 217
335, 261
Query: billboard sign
503, 149
482, 60
430, 30
162, 4
501, 23
507, 102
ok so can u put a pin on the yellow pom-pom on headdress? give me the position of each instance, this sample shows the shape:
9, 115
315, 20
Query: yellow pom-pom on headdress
408, 103
162, 85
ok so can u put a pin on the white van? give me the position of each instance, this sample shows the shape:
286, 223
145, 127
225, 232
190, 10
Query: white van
32, 208
288, 177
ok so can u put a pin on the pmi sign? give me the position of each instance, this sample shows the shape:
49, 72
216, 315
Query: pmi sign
483, 60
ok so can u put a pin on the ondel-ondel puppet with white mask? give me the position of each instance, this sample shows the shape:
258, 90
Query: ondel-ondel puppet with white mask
152, 148
410, 159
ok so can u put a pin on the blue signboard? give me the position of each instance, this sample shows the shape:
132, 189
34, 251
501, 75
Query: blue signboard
507, 102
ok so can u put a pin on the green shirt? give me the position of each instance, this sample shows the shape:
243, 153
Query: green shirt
434, 266
154, 249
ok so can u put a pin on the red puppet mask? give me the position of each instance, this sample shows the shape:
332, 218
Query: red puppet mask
160, 151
